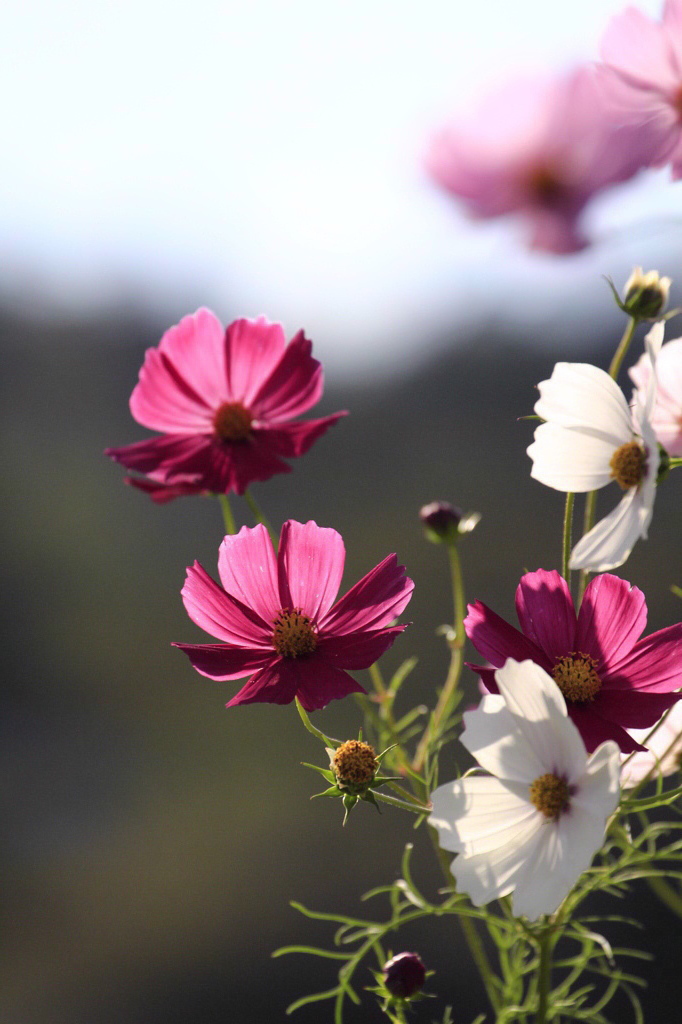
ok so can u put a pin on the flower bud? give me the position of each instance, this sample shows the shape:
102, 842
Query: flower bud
404, 975
441, 521
354, 764
646, 295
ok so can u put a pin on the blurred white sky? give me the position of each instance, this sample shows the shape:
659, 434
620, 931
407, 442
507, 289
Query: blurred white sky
264, 156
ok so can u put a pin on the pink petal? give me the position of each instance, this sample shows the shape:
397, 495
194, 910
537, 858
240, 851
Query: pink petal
183, 380
295, 384
634, 709
637, 47
274, 684
594, 730
654, 664
357, 650
310, 564
545, 609
221, 615
611, 619
162, 493
318, 683
166, 456
294, 439
253, 349
555, 231
374, 601
236, 465
496, 640
221, 662
248, 571
487, 677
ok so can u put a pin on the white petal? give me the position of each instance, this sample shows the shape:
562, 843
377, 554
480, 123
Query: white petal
539, 711
608, 544
479, 814
572, 460
490, 875
654, 339
598, 791
498, 746
583, 396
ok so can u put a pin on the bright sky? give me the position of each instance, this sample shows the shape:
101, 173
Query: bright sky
264, 156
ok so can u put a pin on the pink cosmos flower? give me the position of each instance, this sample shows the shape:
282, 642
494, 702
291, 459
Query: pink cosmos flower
611, 681
666, 417
225, 402
277, 618
642, 78
541, 148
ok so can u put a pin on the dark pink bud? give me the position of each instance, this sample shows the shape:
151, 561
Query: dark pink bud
404, 975
441, 521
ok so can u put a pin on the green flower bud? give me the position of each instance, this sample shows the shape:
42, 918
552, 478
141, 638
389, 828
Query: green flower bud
646, 295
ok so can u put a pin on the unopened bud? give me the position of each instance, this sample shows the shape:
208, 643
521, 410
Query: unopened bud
441, 521
646, 295
354, 764
404, 975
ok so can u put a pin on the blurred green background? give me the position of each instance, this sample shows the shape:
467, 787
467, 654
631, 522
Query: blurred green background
152, 839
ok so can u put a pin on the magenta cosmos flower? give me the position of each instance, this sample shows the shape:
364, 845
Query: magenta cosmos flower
225, 402
540, 148
642, 77
277, 618
611, 680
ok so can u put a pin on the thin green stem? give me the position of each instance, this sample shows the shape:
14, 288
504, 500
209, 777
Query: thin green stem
567, 538
666, 894
591, 499
544, 974
447, 695
405, 805
228, 518
258, 515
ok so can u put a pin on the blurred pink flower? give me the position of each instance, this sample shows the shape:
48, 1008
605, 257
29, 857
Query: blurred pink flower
224, 401
541, 148
642, 78
611, 680
666, 417
663, 754
277, 620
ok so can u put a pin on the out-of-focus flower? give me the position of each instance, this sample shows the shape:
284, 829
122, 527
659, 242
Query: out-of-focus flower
642, 78
534, 827
277, 618
646, 295
663, 754
404, 975
540, 148
441, 521
590, 438
666, 417
225, 401
612, 681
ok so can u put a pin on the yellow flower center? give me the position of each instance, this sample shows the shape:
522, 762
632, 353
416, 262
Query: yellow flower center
628, 465
232, 422
294, 635
576, 676
550, 795
354, 764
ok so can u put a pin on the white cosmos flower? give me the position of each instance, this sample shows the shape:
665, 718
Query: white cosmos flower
535, 825
590, 438
663, 755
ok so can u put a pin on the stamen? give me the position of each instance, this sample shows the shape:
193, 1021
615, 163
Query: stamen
232, 422
294, 635
354, 764
550, 795
628, 465
576, 676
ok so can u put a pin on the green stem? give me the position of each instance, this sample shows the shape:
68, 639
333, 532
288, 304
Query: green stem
666, 894
258, 516
228, 518
544, 974
567, 538
404, 805
591, 499
447, 694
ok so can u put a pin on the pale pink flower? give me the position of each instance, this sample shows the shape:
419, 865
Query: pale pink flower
225, 401
642, 78
663, 754
666, 417
277, 620
541, 148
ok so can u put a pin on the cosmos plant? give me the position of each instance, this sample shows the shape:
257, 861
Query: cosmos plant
566, 731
